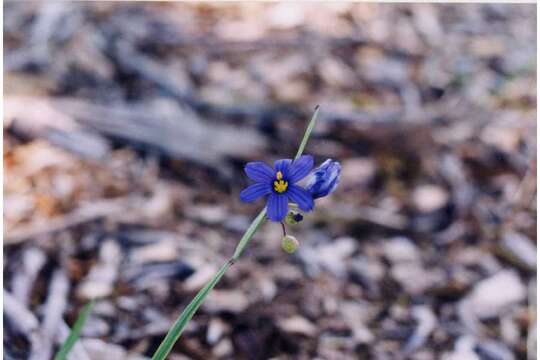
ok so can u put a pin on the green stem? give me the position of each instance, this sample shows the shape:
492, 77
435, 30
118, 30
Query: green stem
252, 229
307, 133
181, 322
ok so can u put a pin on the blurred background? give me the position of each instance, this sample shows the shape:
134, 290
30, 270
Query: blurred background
126, 128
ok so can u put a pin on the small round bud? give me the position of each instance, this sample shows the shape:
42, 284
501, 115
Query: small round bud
293, 218
289, 244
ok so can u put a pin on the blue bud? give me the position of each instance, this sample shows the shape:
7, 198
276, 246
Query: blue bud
324, 179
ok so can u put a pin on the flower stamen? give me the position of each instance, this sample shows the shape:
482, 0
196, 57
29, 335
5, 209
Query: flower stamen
280, 185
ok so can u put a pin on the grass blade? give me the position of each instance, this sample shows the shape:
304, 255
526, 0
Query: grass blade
75, 331
307, 133
180, 324
259, 220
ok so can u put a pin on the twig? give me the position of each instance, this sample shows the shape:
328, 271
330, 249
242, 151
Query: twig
33, 260
85, 213
22, 319
370, 214
157, 74
52, 315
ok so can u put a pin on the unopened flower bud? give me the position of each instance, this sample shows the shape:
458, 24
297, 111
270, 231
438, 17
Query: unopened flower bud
289, 244
293, 218
324, 179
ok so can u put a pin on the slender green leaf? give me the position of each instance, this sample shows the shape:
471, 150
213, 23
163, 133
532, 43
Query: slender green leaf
180, 324
307, 133
75, 331
259, 220
176, 330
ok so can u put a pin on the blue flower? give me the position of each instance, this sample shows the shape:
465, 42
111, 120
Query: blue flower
279, 185
324, 179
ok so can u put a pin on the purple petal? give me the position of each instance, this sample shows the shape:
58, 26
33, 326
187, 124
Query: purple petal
283, 166
300, 196
300, 168
259, 171
277, 207
255, 191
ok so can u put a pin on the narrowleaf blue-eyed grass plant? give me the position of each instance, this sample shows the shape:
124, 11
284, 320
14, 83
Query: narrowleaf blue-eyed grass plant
284, 197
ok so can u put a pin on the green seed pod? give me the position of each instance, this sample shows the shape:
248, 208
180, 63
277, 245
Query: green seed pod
289, 244
293, 218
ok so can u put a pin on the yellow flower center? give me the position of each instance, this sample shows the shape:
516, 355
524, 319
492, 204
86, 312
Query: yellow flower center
280, 185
